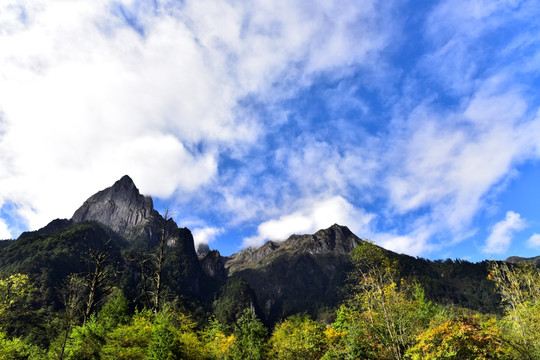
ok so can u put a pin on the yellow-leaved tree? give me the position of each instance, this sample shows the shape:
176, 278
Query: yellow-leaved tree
519, 288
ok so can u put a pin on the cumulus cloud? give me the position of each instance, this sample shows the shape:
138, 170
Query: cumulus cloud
500, 238
414, 244
205, 235
312, 215
91, 90
534, 241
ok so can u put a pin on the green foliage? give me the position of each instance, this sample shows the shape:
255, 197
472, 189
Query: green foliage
234, 296
251, 336
15, 295
115, 312
386, 313
16, 349
20, 315
519, 288
162, 345
298, 337
130, 341
86, 341
218, 340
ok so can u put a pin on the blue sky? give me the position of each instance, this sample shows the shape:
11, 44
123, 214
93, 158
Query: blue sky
414, 123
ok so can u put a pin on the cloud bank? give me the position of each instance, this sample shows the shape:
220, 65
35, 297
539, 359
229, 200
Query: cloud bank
266, 118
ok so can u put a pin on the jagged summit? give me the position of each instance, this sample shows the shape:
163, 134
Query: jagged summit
336, 239
122, 208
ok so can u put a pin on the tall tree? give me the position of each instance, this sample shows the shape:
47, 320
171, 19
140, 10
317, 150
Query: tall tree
250, 335
386, 313
97, 276
519, 288
71, 295
152, 266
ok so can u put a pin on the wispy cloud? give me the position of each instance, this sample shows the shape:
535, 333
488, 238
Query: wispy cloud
152, 89
500, 238
259, 115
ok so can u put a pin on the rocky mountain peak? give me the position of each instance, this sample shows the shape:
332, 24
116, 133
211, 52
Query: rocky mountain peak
122, 208
334, 240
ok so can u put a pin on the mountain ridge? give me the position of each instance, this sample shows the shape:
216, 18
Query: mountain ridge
335, 239
302, 274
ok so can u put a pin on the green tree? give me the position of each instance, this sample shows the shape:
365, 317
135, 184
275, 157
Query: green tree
19, 316
87, 341
71, 293
519, 288
385, 313
129, 341
298, 337
162, 345
16, 349
218, 340
251, 336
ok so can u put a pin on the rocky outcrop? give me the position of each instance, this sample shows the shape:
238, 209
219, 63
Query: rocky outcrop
122, 208
336, 239
300, 274
202, 249
213, 265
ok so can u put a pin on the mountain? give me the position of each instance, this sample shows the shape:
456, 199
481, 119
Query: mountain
122, 208
127, 222
521, 260
306, 274
301, 274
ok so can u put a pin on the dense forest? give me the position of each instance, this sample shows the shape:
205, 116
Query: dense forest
65, 307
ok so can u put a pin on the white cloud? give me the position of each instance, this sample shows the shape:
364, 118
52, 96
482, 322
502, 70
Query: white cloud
85, 99
414, 244
311, 216
534, 241
448, 162
206, 235
500, 238
4, 231
320, 167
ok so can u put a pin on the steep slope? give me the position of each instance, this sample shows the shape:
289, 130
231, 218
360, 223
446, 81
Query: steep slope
301, 274
128, 213
336, 240
306, 273
127, 220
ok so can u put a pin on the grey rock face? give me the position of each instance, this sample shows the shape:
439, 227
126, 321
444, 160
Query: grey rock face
122, 208
212, 265
202, 249
336, 239
300, 274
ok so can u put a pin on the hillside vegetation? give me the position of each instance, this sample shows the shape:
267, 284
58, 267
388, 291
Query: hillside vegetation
383, 316
121, 281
